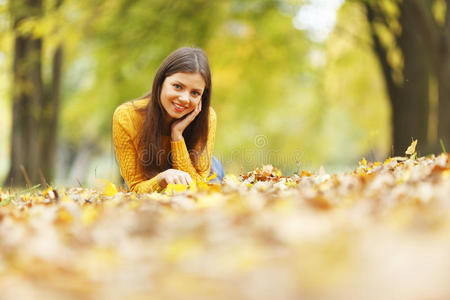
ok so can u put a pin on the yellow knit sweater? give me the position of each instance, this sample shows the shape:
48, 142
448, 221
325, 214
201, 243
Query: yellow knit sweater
127, 123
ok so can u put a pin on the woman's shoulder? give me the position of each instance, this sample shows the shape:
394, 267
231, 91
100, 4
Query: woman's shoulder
132, 105
129, 114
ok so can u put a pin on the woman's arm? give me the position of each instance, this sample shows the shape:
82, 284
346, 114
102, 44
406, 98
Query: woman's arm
182, 160
127, 156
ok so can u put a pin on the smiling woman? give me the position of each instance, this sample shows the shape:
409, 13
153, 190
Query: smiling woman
168, 135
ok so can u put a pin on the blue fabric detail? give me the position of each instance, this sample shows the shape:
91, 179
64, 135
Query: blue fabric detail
217, 167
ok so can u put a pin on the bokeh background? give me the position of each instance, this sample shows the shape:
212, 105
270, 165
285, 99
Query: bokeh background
297, 84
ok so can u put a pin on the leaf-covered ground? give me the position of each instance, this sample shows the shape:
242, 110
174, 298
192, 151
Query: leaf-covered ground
379, 232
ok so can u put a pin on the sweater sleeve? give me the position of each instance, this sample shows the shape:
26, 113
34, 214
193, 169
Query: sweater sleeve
127, 156
182, 160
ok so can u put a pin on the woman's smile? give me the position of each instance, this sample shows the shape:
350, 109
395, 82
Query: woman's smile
179, 108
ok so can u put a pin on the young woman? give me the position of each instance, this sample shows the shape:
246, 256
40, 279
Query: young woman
167, 136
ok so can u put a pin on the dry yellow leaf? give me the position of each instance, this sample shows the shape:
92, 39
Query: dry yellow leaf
47, 191
363, 162
193, 187
211, 177
179, 187
202, 186
175, 188
412, 148
305, 174
107, 188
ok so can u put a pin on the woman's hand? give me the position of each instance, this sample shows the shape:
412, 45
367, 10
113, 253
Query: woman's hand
179, 126
173, 176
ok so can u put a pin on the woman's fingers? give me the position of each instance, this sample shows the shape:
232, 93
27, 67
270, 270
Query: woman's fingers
185, 178
189, 179
181, 125
180, 179
185, 182
173, 180
177, 177
194, 113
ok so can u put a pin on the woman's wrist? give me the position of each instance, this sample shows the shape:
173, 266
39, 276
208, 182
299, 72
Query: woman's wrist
176, 136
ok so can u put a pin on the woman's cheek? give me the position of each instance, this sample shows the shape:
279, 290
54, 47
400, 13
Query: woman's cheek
191, 109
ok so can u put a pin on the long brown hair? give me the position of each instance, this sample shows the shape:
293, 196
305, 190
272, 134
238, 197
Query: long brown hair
153, 158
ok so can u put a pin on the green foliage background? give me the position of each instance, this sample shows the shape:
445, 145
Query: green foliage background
280, 97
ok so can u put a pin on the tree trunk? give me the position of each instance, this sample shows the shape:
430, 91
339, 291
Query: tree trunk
444, 103
49, 118
27, 97
411, 107
443, 77
35, 112
409, 92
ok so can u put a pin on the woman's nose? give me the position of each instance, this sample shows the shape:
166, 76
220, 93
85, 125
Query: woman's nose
184, 98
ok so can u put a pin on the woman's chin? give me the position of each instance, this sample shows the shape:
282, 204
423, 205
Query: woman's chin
176, 116
179, 115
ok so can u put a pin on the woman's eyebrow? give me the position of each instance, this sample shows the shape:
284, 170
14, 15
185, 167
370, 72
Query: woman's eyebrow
182, 84
178, 82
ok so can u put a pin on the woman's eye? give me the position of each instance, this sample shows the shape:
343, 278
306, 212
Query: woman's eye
195, 93
177, 86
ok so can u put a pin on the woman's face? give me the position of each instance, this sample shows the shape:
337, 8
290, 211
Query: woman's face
181, 93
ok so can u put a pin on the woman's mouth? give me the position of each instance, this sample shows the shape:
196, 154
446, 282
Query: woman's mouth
179, 108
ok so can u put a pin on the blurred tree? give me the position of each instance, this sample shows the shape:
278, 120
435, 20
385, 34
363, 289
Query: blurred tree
354, 92
50, 109
412, 42
28, 94
35, 103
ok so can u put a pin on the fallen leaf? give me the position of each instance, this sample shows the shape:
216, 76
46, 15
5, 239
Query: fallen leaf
211, 177
412, 148
107, 188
